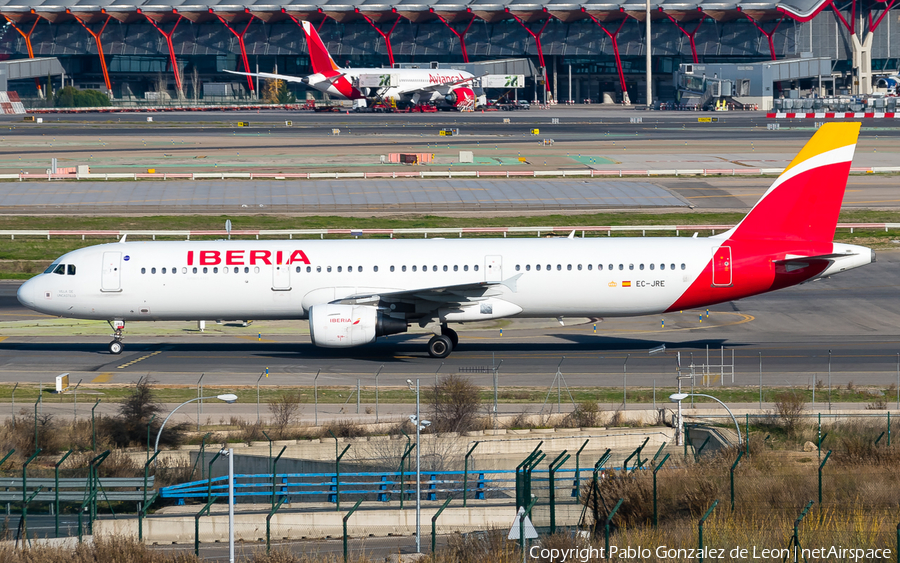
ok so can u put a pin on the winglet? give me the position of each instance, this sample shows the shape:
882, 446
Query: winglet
512, 282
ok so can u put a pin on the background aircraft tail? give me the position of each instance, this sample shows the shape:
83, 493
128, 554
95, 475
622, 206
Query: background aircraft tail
322, 63
805, 200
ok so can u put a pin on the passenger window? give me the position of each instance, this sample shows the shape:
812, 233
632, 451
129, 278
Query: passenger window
143, 270
537, 267
445, 267
683, 266
71, 270
558, 267
163, 270
216, 270
195, 269
392, 268
475, 267
642, 266
517, 267
671, 266
662, 266
652, 266
205, 270
318, 269
599, 267
152, 270
591, 267
631, 266
579, 267
359, 268
569, 267
246, 270
339, 269
328, 269
424, 268
434, 268
613, 268
414, 268
403, 268
465, 268
298, 269
308, 269
224, 270
256, 269
527, 267
374, 268
456, 268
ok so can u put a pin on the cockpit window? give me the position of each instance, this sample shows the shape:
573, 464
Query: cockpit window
61, 270
51, 267
71, 269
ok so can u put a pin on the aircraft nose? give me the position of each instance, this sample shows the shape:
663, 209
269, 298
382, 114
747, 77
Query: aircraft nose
25, 294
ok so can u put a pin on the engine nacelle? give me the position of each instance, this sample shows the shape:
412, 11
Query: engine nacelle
343, 326
460, 97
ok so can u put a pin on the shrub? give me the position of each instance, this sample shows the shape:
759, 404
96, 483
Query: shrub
285, 410
789, 408
71, 97
455, 403
586, 415
130, 427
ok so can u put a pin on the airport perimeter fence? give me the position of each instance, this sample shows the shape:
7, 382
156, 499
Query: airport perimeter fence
642, 498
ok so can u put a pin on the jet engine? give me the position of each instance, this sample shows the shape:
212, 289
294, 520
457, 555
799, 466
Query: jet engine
460, 97
343, 326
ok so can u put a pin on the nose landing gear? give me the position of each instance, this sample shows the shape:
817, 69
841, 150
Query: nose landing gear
116, 346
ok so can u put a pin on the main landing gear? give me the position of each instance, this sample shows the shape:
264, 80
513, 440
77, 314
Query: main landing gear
116, 347
441, 345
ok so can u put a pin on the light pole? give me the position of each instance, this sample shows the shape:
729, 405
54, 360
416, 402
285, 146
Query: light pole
420, 425
625, 382
228, 398
678, 397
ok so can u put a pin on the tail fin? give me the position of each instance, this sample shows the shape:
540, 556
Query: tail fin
322, 63
804, 202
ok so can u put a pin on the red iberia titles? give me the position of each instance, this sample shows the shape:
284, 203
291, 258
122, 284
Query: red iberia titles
245, 257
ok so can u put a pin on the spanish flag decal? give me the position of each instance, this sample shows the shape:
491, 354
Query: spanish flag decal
626, 284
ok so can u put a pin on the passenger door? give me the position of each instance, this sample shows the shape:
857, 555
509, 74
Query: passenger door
111, 275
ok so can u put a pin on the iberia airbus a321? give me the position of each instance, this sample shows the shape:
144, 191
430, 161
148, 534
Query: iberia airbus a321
353, 291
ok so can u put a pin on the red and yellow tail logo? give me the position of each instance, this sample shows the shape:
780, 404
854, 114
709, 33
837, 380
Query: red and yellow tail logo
804, 202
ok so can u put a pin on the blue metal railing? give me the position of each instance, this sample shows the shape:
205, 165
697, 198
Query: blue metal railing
381, 485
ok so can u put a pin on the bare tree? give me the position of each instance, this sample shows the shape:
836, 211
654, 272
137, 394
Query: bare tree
195, 83
455, 402
285, 410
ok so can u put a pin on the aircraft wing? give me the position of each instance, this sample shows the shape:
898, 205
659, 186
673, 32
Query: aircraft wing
428, 299
286, 77
269, 75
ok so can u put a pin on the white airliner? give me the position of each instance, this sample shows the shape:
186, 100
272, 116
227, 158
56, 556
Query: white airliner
353, 291
402, 85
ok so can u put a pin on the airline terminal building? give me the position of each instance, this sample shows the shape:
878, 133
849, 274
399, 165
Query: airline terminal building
132, 47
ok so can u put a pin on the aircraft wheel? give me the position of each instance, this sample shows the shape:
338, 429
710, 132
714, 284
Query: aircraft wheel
115, 347
440, 346
451, 334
